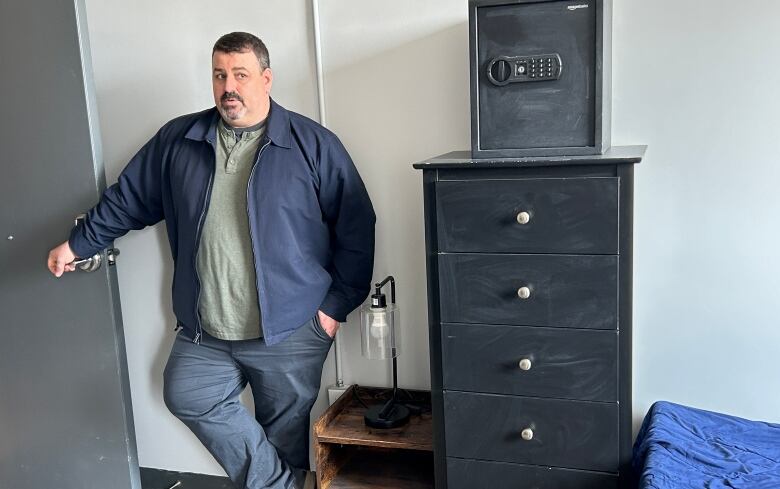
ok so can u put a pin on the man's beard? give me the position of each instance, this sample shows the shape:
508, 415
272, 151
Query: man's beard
232, 113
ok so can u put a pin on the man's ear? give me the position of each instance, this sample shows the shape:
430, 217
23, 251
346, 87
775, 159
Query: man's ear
268, 76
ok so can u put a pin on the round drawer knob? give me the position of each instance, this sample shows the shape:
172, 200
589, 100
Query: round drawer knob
524, 292
525, 364
523, 217
527, 434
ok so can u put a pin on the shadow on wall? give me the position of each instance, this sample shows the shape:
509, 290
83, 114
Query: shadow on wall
409, 101
391, 109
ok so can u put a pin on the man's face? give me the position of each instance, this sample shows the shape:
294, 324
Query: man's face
241, 89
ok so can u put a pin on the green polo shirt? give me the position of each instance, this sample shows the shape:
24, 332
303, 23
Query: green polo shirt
228, 304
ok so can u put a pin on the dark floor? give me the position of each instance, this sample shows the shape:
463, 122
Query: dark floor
164, 479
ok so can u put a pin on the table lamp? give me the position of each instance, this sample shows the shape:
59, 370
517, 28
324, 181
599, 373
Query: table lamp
380, 338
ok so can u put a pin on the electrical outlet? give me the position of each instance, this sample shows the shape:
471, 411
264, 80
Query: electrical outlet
334, 392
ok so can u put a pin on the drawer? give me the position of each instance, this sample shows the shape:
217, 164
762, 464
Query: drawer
531, 361
471, 474
566, 215
573, 434
578, 291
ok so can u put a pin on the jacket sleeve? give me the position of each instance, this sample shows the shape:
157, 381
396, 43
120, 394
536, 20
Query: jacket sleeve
133, 202
347, 209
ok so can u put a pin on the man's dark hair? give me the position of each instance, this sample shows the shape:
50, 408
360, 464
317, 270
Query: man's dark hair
238, 42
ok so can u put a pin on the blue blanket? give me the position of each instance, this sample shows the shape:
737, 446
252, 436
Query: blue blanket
682, 447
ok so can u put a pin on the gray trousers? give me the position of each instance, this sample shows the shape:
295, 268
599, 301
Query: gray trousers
202, 384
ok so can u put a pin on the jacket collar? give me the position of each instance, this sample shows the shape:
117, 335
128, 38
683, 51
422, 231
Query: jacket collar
277, 127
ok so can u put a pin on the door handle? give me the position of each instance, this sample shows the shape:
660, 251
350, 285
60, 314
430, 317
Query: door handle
89, 264
95, 261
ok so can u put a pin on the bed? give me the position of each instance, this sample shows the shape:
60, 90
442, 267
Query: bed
683, 447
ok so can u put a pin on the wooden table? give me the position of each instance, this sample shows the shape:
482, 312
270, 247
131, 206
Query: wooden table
350, 455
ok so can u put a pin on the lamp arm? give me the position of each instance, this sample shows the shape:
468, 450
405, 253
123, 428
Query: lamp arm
390, 279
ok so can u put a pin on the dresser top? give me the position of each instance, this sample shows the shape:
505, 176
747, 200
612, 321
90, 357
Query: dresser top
463, 159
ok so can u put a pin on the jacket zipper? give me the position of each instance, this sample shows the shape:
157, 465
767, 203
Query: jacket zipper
251, 232
206, 200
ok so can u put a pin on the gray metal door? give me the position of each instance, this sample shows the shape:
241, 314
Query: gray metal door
65, 412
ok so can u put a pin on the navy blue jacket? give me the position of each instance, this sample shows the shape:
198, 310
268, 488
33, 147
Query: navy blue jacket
310, 218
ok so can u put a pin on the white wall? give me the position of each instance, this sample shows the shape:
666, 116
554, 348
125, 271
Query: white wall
397, 92
706, 263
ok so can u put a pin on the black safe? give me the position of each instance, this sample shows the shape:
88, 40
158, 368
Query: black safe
540, 77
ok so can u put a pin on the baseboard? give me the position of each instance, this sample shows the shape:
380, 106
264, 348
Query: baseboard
164, 479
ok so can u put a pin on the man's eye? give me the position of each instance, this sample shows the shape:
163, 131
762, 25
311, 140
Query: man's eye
219, 76
241, 75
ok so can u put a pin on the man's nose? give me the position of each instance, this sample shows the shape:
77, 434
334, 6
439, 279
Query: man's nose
230, 84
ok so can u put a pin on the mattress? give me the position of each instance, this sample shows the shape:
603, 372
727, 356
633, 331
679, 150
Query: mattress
683, 447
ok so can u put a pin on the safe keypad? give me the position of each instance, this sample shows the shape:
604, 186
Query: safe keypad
524, 69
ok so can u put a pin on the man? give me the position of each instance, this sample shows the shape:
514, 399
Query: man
272, 235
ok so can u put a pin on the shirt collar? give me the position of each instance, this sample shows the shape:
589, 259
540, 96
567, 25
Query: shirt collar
277, 127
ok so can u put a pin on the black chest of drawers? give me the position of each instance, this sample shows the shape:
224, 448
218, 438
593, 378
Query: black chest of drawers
529, 265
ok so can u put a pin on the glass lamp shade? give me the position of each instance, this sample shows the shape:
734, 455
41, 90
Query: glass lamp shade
380, 331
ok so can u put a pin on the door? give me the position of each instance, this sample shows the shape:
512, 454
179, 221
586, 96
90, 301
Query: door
65, 413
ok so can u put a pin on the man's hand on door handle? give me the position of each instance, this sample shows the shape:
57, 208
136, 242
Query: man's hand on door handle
60, 260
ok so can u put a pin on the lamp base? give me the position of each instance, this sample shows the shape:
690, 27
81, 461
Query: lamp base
398, 416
